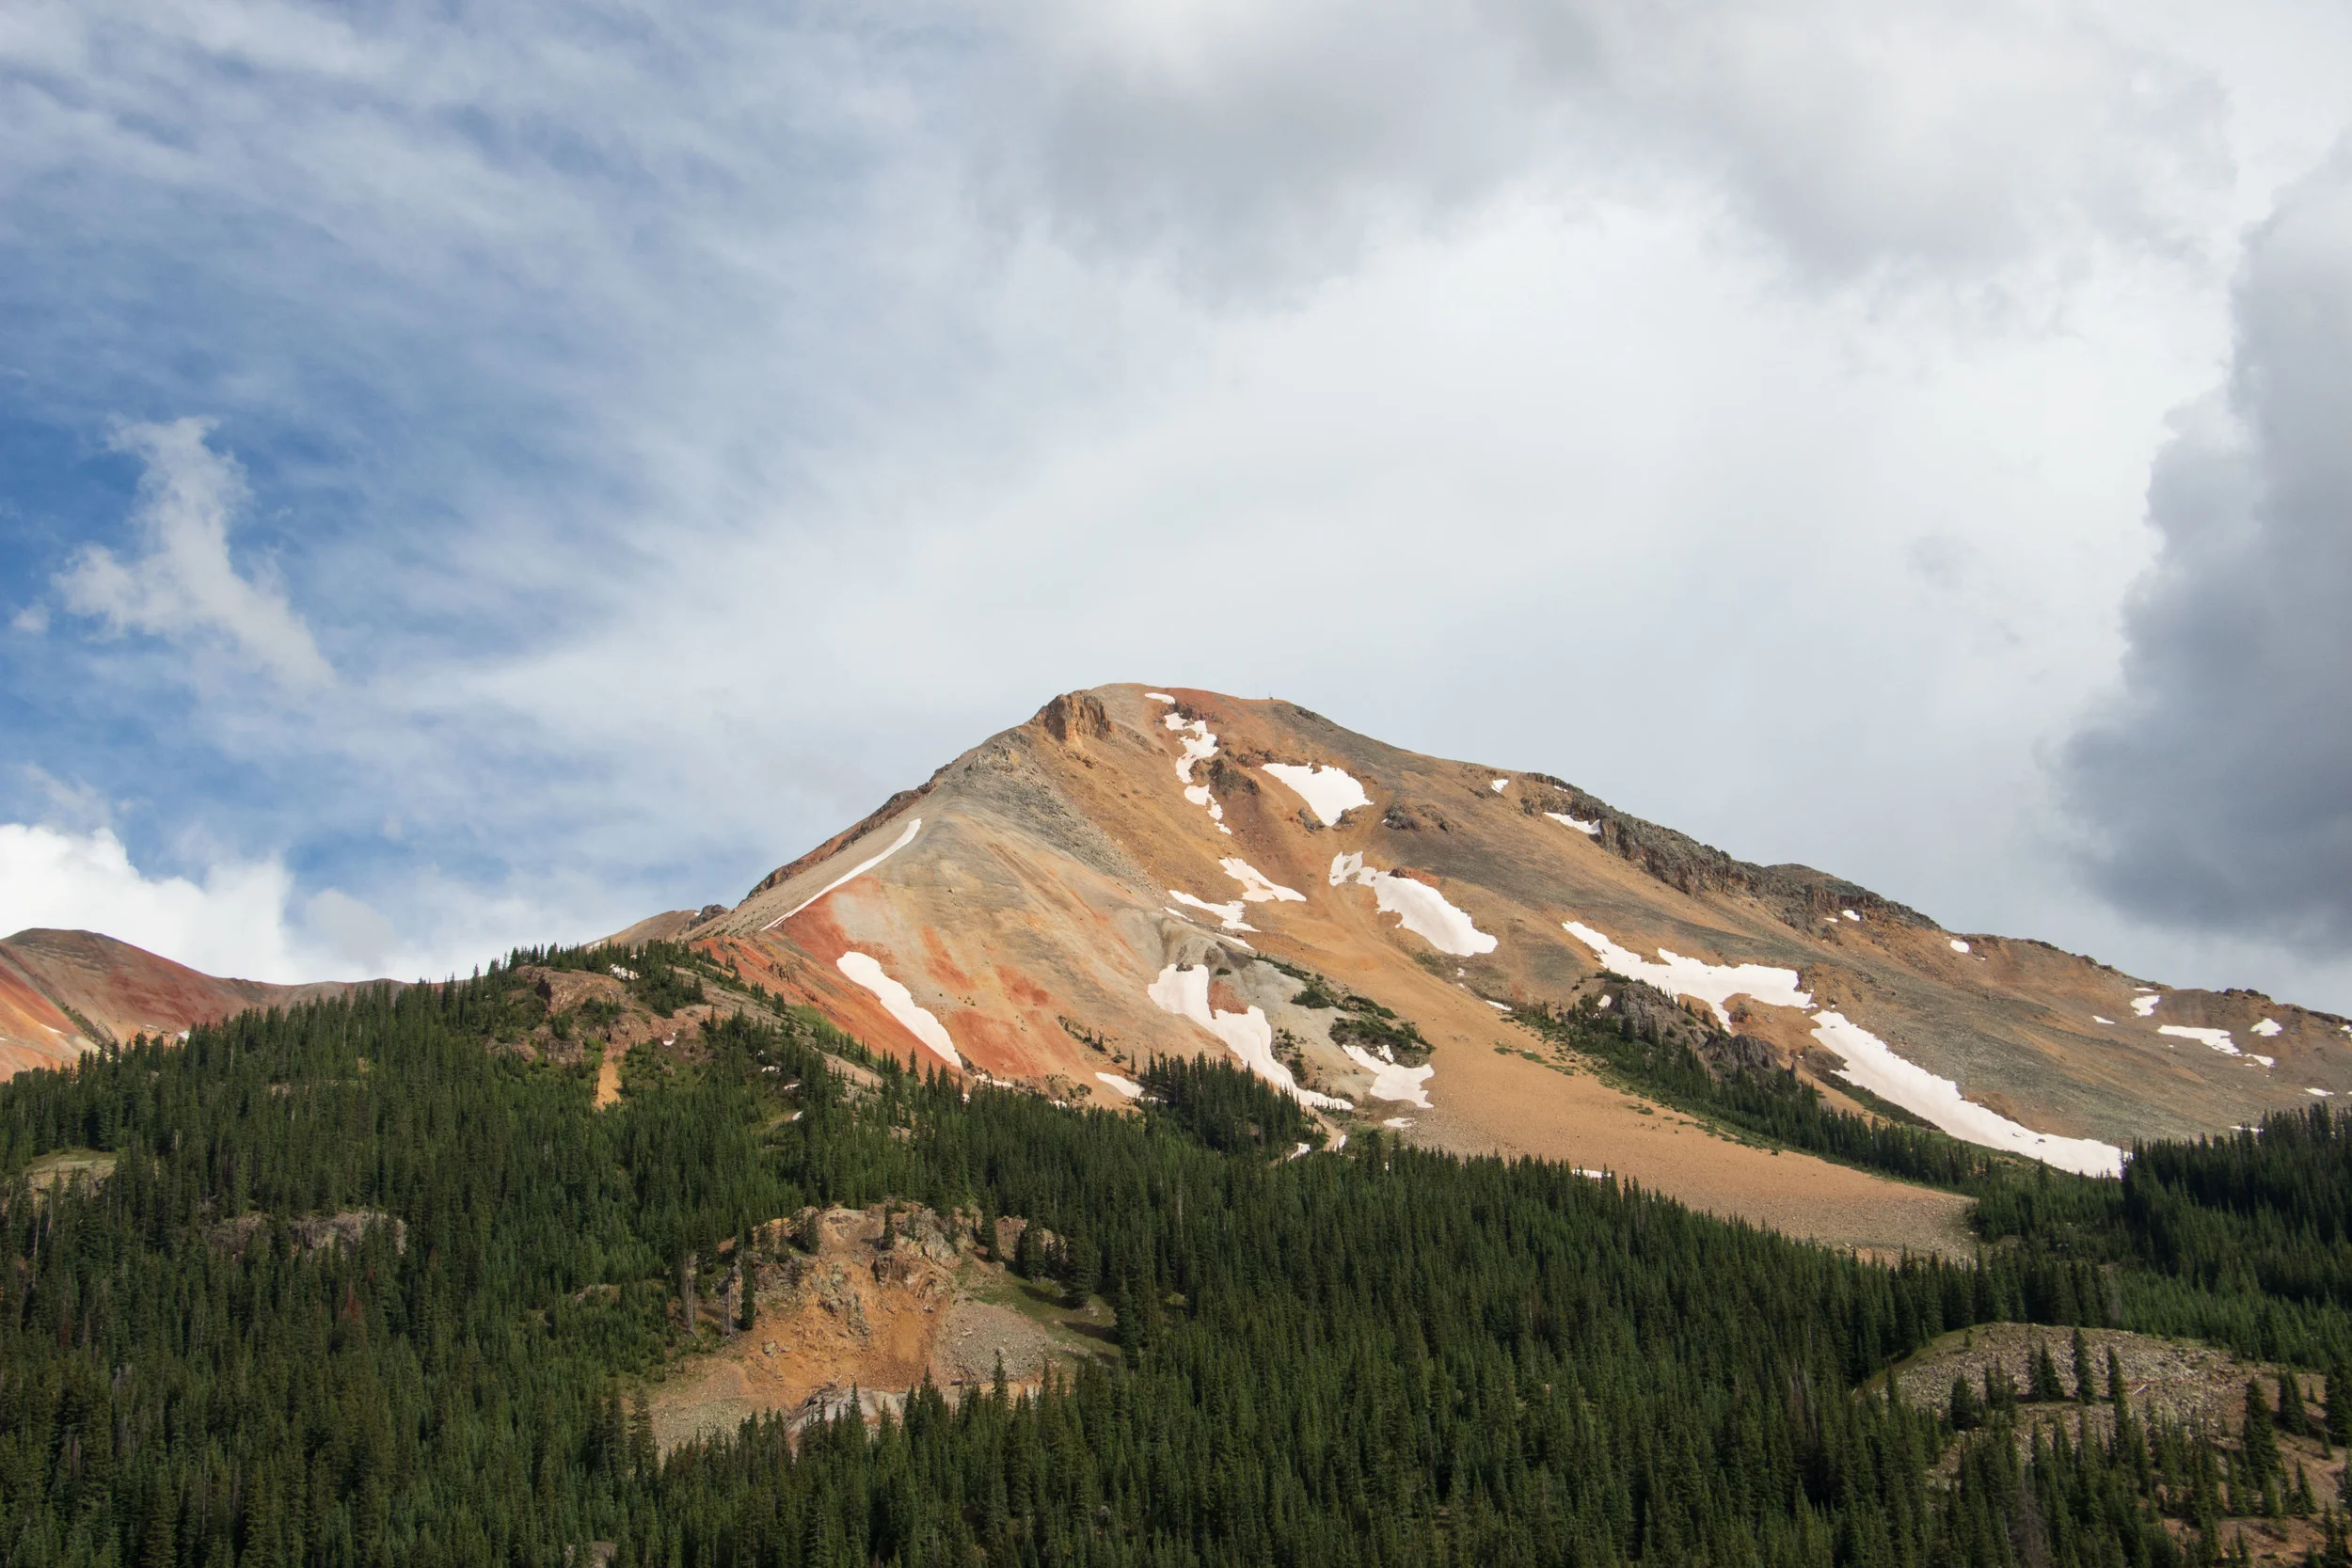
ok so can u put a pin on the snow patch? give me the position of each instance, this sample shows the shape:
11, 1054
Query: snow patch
1870, 1064
2323, 1093
1501, 784
1256, 887
1390, 1080
1498, 1007
1185, 991
1328, 792
1851, 915
2266, 1061
1958, 946
2219, 1038
1127, 1088
2145, 1006
1590, 830
1713, 984
2268, 1027
899, 1003
1595, 1175
852, 875
1400, 1123
2108, 1022
1420, 907
1159, 696
1227, 915
1199, 746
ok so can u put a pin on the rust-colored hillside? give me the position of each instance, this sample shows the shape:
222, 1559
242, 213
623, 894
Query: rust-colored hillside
1141, 870
64, 992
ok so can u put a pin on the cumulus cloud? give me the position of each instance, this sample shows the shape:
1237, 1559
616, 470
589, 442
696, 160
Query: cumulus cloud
233, 922
183, 586
246, 917
2212, 789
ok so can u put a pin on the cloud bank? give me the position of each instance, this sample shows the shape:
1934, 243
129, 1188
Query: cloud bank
638, 442
2213, 787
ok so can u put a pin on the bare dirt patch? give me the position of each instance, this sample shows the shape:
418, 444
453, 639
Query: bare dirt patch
859, 1316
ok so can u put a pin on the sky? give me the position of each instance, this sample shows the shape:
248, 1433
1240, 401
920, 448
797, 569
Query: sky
478, 475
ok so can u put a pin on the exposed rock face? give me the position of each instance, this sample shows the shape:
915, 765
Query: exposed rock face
1076, 715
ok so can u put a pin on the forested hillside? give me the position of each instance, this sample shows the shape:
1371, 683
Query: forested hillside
1377, 1355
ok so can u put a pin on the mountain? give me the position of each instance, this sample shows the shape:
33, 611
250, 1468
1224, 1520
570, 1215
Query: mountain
66, 992
1143, 871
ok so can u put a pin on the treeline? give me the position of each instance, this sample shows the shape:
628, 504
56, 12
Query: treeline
1770, 1102
2244, 1238
1386, 1356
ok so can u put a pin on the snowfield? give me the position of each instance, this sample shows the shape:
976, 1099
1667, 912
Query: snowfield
899, 1003
1228, 915
1958, 946
2145, 1004
1870, 1062
1256, 887
1185, 991
1392, 1082
2217, 1038
1590, 830
1713, 984
1871, 1065
1420, 907
1329, 792
850, 876
2269, 1027
1126, 1086
1501, 784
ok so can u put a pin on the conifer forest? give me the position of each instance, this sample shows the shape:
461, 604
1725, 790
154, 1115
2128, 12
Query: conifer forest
349, 1285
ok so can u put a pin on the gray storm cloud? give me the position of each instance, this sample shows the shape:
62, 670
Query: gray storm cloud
2216, 788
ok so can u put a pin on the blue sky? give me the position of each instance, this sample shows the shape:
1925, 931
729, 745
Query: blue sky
479, 477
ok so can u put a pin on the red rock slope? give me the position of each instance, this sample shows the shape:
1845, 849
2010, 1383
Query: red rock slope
63, 993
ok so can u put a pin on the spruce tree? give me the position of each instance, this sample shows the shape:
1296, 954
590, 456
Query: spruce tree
2256, 1435
2085, 1382
2046, 1386
2340, 1401
1963, 1411
2292, 1419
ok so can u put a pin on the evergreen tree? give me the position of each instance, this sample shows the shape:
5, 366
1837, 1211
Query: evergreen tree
2257, 1439
2340, 1399
2046, 1385
2291, 1418
2086, 1383
1965, 1412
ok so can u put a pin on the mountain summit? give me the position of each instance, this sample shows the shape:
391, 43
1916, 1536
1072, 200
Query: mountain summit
1141, 872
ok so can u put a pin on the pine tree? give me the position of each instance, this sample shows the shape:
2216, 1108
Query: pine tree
2340, 1401
2256, 1437
1963, 1411
642, 1455
2292, 1419
2085, 1382
2046, 1386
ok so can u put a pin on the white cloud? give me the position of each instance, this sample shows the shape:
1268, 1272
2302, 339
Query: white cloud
185, 587
231, 923
246, 919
